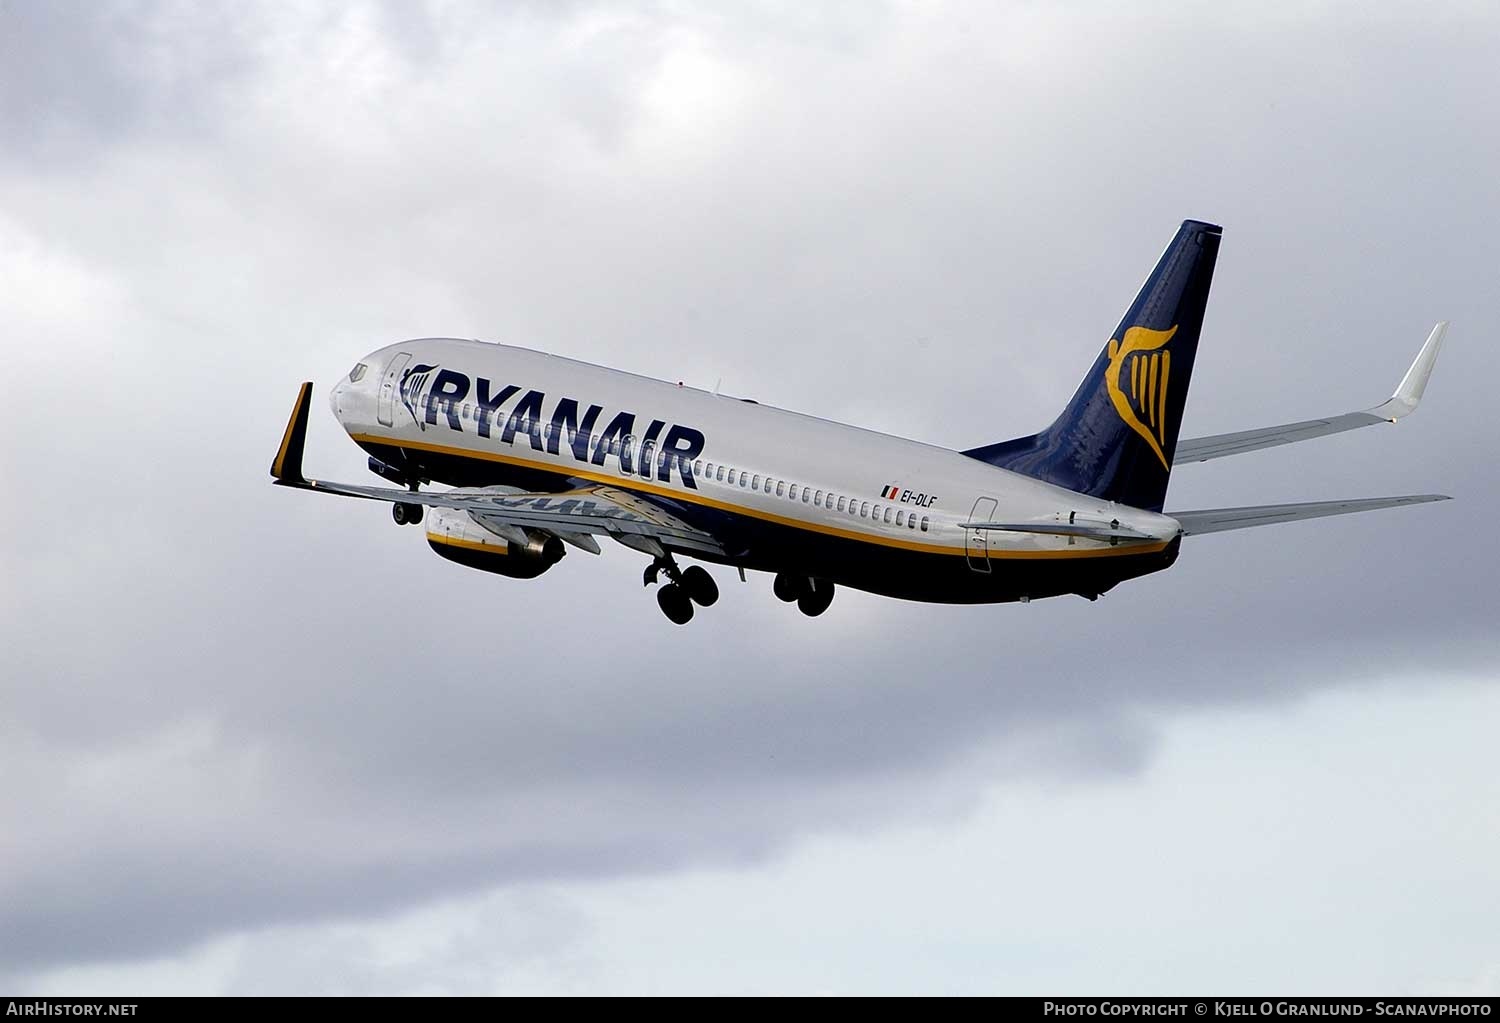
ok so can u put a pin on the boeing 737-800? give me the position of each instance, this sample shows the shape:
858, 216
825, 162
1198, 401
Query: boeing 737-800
543, 453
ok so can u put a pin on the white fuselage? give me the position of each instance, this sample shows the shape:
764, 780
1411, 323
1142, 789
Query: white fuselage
441, 399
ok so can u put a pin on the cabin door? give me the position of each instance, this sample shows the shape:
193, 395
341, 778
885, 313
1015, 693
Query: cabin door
976, 545
388, 387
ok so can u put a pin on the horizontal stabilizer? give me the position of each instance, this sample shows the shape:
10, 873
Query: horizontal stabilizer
1217, 520
1092, 531
1402, 403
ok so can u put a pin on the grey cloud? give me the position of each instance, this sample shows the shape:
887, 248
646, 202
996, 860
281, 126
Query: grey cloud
78, 78
236, 707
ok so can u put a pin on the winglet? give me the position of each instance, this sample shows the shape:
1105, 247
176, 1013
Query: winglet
287, 468
1404, 401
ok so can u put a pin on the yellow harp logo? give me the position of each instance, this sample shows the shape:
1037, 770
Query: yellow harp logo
1142, 357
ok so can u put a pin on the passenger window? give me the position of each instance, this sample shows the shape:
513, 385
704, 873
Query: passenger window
818, 498
806, 495
791, 492
719, 476
911, 521
755, 483
731, 477
887, 515
647, 451
924, 523
744, 478
698, 467
841, 502
864, 509
781, 488
901, 518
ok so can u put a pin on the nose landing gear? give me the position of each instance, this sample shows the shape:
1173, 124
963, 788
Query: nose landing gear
684, 588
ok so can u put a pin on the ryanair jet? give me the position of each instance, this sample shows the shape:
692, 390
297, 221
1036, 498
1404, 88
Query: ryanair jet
542, 454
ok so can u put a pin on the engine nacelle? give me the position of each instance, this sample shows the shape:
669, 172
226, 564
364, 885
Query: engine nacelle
457, 537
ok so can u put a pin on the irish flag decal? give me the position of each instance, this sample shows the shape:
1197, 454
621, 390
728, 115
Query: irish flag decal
890, 493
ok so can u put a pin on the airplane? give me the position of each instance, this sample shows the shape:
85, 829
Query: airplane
543, 453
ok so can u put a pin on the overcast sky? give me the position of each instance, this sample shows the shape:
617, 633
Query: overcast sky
260, 741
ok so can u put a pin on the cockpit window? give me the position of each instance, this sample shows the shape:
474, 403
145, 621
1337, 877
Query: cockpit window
357, 372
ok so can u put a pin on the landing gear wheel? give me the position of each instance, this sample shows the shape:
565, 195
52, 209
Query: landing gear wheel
788, 587
675, 604
816, 599
406, 513
700, 586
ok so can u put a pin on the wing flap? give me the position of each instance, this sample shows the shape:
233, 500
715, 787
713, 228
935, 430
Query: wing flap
1217, 520
1402, 403
573, 515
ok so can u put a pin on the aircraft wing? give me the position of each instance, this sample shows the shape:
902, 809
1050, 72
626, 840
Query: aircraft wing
575, 515
1217, 520
1402, 403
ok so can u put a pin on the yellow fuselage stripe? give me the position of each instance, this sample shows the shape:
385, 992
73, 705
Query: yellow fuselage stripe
634, 483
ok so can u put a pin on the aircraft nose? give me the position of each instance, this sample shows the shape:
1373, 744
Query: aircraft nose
335, 396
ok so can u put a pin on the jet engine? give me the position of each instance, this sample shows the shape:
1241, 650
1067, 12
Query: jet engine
456, 536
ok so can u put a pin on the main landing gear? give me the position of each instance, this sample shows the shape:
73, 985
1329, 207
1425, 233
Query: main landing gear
404, 514
813, 595
683, 589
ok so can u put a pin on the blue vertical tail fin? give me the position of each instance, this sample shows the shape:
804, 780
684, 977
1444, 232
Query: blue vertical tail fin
1116, 438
